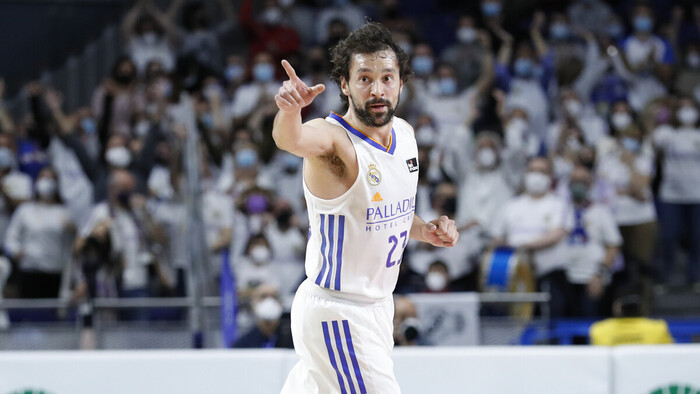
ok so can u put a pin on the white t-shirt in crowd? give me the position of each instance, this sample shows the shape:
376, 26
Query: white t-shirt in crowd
142, 52
172, 216
248, 97
594, 230
681, 164
126, 241
628, 210
38, 231
73, 185
217, 213
525, 219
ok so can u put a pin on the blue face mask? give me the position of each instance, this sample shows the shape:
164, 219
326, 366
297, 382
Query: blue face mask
246, 158
263, 72
559, 31
615, 30
233, 72
448, 86
88, 125
631, 144
491, 8
523, 67
422, 65
643, 24
207, 120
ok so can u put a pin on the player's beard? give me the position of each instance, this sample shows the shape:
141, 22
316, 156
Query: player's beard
366, 116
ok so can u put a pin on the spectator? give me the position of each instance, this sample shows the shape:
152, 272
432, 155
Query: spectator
257, 92
628, 168
407, 329
592, 246
573, 111
126, 236
272, 329
345, 11
116, 100
200, 38
649, 58
267, 33
679, 197
256, 266
149, 36
539, 222
629, 327
437, 279
526, 85
465, 56
39, 239
588, 14
687, 80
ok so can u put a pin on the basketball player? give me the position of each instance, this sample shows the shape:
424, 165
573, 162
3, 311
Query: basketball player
360, 179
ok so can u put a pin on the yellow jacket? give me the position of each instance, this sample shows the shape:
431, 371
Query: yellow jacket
630, 331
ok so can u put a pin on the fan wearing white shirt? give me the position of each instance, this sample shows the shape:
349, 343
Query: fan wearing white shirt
629, 167
679, 210
592, 246
39, 238
538, 222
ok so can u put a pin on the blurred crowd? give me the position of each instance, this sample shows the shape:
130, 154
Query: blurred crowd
569, 133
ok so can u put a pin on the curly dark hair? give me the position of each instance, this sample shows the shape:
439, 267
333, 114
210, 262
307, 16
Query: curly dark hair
370, 38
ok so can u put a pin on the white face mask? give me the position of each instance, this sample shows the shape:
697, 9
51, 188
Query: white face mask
268, 309
466, 35
537, 183
620, 120
435, 281
142, 128
688, 116
573, 107
486, 157
260, 254
119, 157
45, 187
693, 60
517, 125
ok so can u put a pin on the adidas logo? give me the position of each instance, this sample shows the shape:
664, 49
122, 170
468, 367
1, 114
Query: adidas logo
377, 197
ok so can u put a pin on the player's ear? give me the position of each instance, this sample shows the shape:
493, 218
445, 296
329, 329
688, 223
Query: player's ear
344, 86
400, 87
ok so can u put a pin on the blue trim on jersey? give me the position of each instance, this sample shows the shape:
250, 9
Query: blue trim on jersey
331, 355
358, 133
339, 256
331, 227
341, 354
323, 251
353, 358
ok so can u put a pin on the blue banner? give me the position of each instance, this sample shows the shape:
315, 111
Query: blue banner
229, 302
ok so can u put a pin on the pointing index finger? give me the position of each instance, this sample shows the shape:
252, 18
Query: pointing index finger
289, 69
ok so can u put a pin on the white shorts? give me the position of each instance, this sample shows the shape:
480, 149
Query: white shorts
344, 346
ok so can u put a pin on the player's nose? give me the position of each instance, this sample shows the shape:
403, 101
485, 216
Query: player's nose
377, 89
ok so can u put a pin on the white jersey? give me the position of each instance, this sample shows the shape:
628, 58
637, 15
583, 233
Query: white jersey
356, 240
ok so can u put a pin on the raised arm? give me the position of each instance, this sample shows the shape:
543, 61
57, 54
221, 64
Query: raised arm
536, 34
289, 133
7, 126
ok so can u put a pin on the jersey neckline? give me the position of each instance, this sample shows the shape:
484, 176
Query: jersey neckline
360, 134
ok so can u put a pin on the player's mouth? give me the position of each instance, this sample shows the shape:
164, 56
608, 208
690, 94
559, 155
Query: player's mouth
378, 107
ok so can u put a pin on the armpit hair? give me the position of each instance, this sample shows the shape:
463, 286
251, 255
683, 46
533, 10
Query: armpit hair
335, 164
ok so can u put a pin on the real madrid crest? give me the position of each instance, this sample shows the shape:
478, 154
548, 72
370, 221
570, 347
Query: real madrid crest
374, 177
